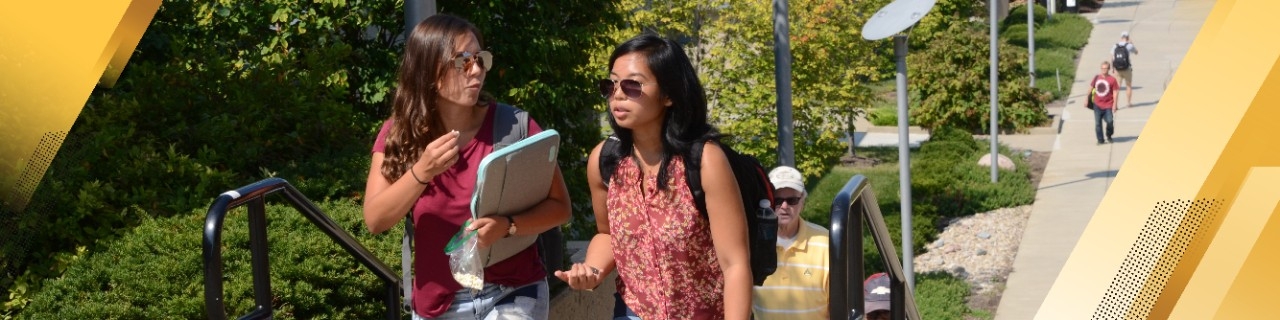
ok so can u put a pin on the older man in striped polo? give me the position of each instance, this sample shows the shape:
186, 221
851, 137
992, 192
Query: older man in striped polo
799, 289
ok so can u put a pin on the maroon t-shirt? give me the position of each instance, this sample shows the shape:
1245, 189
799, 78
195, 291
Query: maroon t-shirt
440, 212
1103, 87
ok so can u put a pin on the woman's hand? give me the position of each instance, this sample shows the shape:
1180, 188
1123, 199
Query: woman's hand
581, 277
440, 154
491, 229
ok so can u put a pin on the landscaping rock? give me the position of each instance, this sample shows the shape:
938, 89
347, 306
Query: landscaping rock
1004, 162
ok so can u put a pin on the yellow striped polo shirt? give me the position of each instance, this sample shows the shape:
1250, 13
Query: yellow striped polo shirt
799, 289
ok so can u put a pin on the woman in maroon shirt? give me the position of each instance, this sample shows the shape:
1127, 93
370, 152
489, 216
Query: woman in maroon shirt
672, 262
425, 159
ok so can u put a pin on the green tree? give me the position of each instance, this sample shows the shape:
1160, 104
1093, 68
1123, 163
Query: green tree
830, 62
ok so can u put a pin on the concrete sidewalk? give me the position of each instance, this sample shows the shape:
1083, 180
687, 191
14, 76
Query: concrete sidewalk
1080, 171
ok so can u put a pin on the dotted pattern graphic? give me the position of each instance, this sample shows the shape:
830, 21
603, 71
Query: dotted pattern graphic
1169, 231
16, 241
36, 165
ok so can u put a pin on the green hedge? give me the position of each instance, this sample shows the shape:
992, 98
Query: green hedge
946, 182
221, 94
941, 296
156, 271
1058, 43
1017, 17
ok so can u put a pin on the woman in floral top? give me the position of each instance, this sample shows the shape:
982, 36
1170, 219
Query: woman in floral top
647, 223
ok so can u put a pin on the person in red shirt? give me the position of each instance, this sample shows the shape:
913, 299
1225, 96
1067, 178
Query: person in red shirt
1104, 94
424, 163
672, 262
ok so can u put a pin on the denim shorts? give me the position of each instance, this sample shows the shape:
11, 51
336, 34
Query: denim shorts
498, 302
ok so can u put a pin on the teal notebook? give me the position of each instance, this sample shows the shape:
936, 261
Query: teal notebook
511, 180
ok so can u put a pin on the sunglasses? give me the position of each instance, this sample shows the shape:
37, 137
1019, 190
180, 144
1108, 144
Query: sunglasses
465, 60
631, 88
790, 201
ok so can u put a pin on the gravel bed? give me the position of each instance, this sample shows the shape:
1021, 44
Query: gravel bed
979, 249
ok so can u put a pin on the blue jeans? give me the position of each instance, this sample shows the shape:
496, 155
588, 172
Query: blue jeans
497, 302
620, 309
1099, 116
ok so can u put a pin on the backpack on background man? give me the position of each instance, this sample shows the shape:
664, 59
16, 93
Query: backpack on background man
1120, 57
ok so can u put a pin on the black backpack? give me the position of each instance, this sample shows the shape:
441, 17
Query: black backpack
1120, 60
757, 199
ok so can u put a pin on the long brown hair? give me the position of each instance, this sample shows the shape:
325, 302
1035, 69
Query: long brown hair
414, 113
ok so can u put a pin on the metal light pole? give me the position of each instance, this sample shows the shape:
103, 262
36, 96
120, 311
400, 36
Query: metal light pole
782, 79
1031, 40
904, 158
995, 110
894, 20
415, 11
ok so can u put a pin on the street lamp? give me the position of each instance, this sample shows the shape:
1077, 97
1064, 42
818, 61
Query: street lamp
893, 20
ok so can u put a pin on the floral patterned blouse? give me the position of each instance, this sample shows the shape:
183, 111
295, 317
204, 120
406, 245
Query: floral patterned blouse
667, 266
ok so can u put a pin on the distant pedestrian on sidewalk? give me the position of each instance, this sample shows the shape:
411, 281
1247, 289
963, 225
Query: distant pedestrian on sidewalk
1104, 93
1122, 66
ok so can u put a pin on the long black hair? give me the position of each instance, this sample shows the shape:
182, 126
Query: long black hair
685, 122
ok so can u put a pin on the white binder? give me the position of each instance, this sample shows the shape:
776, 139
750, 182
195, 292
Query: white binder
511, 180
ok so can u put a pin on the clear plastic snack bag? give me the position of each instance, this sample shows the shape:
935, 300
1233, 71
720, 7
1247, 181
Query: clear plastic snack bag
464, 258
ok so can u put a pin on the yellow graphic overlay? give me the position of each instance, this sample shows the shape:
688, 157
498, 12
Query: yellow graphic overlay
1237, 278
1216, 128
53, 54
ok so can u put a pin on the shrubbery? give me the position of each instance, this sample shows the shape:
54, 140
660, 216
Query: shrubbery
952, 77
220, 94
1058, 41
156, 270
949, 156
946, 183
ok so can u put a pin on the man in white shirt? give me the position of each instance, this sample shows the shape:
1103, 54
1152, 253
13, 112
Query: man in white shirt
1121, 64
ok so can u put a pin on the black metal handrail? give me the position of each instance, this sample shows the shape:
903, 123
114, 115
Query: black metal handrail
854, 205
253, 195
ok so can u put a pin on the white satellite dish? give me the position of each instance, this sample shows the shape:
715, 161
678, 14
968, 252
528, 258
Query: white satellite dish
895, 17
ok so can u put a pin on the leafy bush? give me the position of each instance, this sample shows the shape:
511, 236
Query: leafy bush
940, 296
156, 270
953, 77
1017, 18
883, 116
952, 134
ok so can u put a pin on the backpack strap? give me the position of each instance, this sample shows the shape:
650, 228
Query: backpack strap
510, 125
693, 176
608, 158
406, 258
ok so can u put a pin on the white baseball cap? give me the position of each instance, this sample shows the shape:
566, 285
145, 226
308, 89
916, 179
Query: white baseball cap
787, 177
